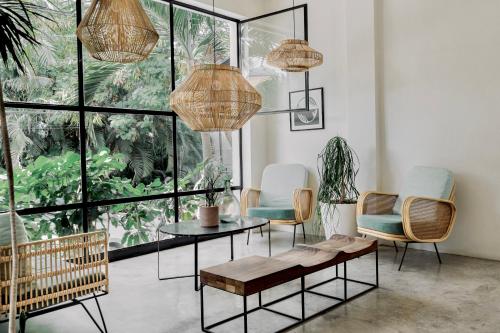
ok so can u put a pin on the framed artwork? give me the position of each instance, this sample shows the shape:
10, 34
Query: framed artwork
313, 119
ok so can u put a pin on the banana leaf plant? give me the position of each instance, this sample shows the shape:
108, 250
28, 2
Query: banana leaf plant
17, 32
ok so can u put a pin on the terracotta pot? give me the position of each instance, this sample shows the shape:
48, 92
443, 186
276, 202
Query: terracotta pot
209, 216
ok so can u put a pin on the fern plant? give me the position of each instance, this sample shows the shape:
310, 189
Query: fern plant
338, 166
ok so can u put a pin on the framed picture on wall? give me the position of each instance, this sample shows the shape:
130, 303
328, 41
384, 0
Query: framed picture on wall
313, 119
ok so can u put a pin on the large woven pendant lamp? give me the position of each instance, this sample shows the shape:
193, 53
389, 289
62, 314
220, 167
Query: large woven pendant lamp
117, 31
215, 97
294, 55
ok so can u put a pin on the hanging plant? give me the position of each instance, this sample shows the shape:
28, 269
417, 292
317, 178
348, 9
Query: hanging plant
338, 166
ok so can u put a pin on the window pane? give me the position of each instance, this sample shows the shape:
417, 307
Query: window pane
53, 78
132, 224
188, 207
142, 85
193, 41
46, 157
128, 155
258, 38
195, 147
53, 225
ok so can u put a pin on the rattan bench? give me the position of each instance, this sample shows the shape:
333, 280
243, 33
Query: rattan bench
252, 275
55, 274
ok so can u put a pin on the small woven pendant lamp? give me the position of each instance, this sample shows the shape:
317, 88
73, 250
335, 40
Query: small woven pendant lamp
215, 98
117, 31
294, 55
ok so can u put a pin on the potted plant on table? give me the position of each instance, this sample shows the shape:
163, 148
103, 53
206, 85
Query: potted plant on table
337, 193
209, 213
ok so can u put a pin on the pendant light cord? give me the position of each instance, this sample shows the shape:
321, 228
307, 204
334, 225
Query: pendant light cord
213, 11
293, 5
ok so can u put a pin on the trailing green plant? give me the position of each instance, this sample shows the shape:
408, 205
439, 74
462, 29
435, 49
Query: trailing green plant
338, 166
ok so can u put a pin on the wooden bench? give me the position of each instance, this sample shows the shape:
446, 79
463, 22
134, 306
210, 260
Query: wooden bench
252, 275
55, 274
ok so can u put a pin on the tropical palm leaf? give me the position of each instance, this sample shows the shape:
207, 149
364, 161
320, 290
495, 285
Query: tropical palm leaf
17, 30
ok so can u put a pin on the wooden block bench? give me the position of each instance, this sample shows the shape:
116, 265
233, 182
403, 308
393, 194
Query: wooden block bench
252, 275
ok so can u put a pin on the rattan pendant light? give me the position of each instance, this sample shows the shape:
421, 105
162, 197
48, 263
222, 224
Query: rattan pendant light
294, 55
117, 31
215, 98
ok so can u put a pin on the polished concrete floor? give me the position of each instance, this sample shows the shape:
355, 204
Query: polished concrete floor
462, 295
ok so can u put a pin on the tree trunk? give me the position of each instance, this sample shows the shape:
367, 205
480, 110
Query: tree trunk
12, 211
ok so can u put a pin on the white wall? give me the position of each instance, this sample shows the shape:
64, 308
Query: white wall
407, 82
441, 107
348, 79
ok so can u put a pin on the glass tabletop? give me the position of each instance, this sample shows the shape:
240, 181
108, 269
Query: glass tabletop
193, 228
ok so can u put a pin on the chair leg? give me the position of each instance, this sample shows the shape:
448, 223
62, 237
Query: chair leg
304, 232
294, 232
396, 247
403, 258
437, 252
23, 318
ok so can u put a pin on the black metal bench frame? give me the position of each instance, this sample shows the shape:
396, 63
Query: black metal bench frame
24, 316
302, 291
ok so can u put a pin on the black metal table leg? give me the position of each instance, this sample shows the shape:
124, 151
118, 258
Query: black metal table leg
195, 263
232, 247
158, 250
376, 266
345, 280
269, 233
202, 314
302, 295
248, 236
245, 321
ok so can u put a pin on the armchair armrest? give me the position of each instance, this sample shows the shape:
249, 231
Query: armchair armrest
427, 219
375, 203
249, 198
302, 204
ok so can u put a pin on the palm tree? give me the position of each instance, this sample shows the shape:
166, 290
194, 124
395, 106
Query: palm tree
16, 32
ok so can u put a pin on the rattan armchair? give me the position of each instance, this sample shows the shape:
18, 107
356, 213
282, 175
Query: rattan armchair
416, 215
283, 197
55, 274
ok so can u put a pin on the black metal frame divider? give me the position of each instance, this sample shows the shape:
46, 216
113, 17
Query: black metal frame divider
303, 289
82, 109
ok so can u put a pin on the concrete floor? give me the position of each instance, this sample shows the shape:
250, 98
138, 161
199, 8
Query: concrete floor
462, 295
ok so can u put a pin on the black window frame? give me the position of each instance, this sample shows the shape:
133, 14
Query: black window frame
85, 203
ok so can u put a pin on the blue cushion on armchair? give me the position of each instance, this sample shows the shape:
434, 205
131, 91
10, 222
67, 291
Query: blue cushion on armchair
272, 213
389, 224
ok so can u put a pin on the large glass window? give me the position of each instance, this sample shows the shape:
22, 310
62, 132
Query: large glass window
46, 157
129, 155
51, 77
108, 156
142, 85
258, 37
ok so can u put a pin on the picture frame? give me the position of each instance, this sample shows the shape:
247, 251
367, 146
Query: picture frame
307, 120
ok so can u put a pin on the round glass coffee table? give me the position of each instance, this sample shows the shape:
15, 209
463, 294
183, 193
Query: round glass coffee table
195, 230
